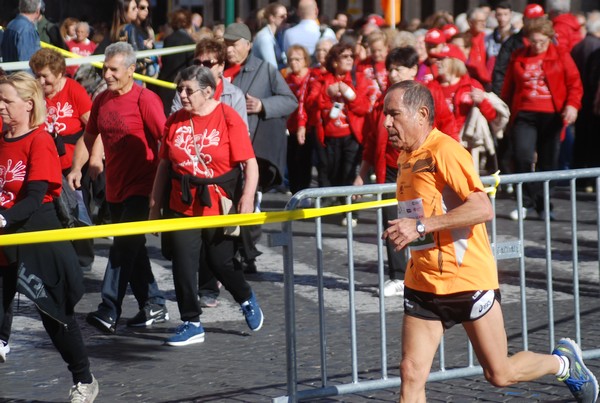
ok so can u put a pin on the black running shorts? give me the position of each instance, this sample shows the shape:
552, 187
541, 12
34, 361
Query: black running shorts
452, 308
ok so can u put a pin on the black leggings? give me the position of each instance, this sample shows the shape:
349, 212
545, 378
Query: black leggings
66, 337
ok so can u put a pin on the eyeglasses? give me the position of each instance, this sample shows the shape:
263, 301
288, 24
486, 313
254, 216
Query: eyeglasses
282, 16
205, 63
189, 92
540, 42
142, 7
346, 56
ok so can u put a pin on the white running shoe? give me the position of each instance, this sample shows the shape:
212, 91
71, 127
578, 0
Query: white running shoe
84, 392
393, 288
4, 349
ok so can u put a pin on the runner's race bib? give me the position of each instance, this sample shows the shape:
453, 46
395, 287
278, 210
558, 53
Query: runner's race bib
414, 209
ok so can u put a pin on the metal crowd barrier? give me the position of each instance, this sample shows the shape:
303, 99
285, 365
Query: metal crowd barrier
502, 250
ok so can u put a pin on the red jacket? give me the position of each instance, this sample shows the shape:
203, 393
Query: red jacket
355, 111
562, 78
568, 31
299, 86
477, 62
462, 103
376, 150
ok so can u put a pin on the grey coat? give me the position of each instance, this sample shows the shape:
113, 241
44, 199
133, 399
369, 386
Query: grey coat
268, 128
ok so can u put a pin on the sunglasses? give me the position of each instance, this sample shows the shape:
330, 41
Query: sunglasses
205, 63
142, 7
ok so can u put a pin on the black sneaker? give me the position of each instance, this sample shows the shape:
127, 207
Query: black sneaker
148, 315
102, 322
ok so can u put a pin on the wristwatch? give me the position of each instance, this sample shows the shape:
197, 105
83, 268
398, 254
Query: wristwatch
421, 228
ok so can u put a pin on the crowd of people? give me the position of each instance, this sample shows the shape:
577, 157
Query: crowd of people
255, 108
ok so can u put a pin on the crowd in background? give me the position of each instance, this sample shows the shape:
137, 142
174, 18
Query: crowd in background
280, 94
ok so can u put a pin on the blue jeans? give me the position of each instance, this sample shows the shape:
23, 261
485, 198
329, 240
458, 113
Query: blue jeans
128, 262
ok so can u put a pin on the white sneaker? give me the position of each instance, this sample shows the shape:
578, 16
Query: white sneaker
4, 349
84, 392
393, 288
514, 215
345, 222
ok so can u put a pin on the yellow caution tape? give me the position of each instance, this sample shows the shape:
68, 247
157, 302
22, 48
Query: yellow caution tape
178, 224
492, 190
136, 76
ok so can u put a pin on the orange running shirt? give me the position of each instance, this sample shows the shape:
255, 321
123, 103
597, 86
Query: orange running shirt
433, 180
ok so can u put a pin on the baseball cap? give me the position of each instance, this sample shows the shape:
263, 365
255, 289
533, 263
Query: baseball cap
237, 31
376, 20
449, 31
434, 37
533, 11
452, 51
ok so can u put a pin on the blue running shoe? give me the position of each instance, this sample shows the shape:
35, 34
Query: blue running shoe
185, 334
252, 313
579, 379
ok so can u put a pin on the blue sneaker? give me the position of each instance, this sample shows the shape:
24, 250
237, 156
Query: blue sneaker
252, 313
185, 334
581, 381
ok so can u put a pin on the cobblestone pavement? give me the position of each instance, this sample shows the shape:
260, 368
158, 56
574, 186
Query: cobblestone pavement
237, 365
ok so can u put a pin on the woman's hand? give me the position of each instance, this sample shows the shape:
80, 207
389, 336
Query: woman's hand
477, 95
569, 115
301, 135
334, 90
246, 204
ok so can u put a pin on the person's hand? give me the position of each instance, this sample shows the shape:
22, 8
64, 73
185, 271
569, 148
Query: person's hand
477, 95
154, 214
246, 204
74, 179
253, 105
301, 135
401, 232
148, 43
95, 167
334, 90
569, 115
358, 181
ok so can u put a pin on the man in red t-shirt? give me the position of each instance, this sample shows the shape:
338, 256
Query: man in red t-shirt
130, 120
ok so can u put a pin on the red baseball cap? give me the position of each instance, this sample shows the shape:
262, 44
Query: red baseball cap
452, 51
435, 36
533, 11
376, 20
449, 31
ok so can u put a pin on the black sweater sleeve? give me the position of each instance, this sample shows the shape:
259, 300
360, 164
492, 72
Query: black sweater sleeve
23, 209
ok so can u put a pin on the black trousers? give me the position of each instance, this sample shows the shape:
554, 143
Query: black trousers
342, 159
219, 258
299, 161
128, 262
66, 337
396, 260
535, 132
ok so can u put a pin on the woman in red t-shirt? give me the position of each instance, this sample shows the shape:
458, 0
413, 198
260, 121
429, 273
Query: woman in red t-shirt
204, 145
301, 141
67, 103
544, 90
48, 273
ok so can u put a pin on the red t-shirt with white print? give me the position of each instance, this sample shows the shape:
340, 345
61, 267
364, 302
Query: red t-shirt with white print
64, 115
28, 158
221, 138
536, 94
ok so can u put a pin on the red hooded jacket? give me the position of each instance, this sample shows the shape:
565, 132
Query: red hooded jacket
568, 31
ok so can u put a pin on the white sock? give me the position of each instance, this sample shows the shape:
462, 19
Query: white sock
563, 368
197, 324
